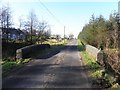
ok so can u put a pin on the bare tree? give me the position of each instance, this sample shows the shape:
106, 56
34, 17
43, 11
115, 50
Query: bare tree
31, 24
5, 17
44, 31
39, 30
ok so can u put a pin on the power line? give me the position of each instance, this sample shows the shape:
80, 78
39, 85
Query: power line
51, 13
53, 16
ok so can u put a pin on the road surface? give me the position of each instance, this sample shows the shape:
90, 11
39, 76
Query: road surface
62, 70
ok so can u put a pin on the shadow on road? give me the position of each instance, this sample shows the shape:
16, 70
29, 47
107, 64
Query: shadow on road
65, 76
56, 49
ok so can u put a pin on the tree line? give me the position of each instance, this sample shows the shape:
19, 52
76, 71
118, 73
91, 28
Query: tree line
101, 32
35, 29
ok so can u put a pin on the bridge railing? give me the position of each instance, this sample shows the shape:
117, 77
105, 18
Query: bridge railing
26, 52
92, 51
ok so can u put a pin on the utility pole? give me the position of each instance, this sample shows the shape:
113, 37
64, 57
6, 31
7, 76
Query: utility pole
64, 34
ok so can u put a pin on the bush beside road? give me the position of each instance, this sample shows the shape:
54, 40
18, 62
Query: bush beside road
100, 78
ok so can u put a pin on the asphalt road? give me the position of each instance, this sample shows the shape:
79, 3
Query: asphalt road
62, 70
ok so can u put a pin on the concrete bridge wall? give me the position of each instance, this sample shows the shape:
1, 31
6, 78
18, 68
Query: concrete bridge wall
27, 51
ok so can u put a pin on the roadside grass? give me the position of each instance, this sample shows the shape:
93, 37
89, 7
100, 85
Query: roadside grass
9, 64
55, 42
99, 77
89, 61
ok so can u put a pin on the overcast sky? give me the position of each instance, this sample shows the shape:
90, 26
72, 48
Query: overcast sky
71, 14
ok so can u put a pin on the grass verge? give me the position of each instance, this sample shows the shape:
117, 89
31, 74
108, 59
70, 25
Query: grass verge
99, 77
10, 65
